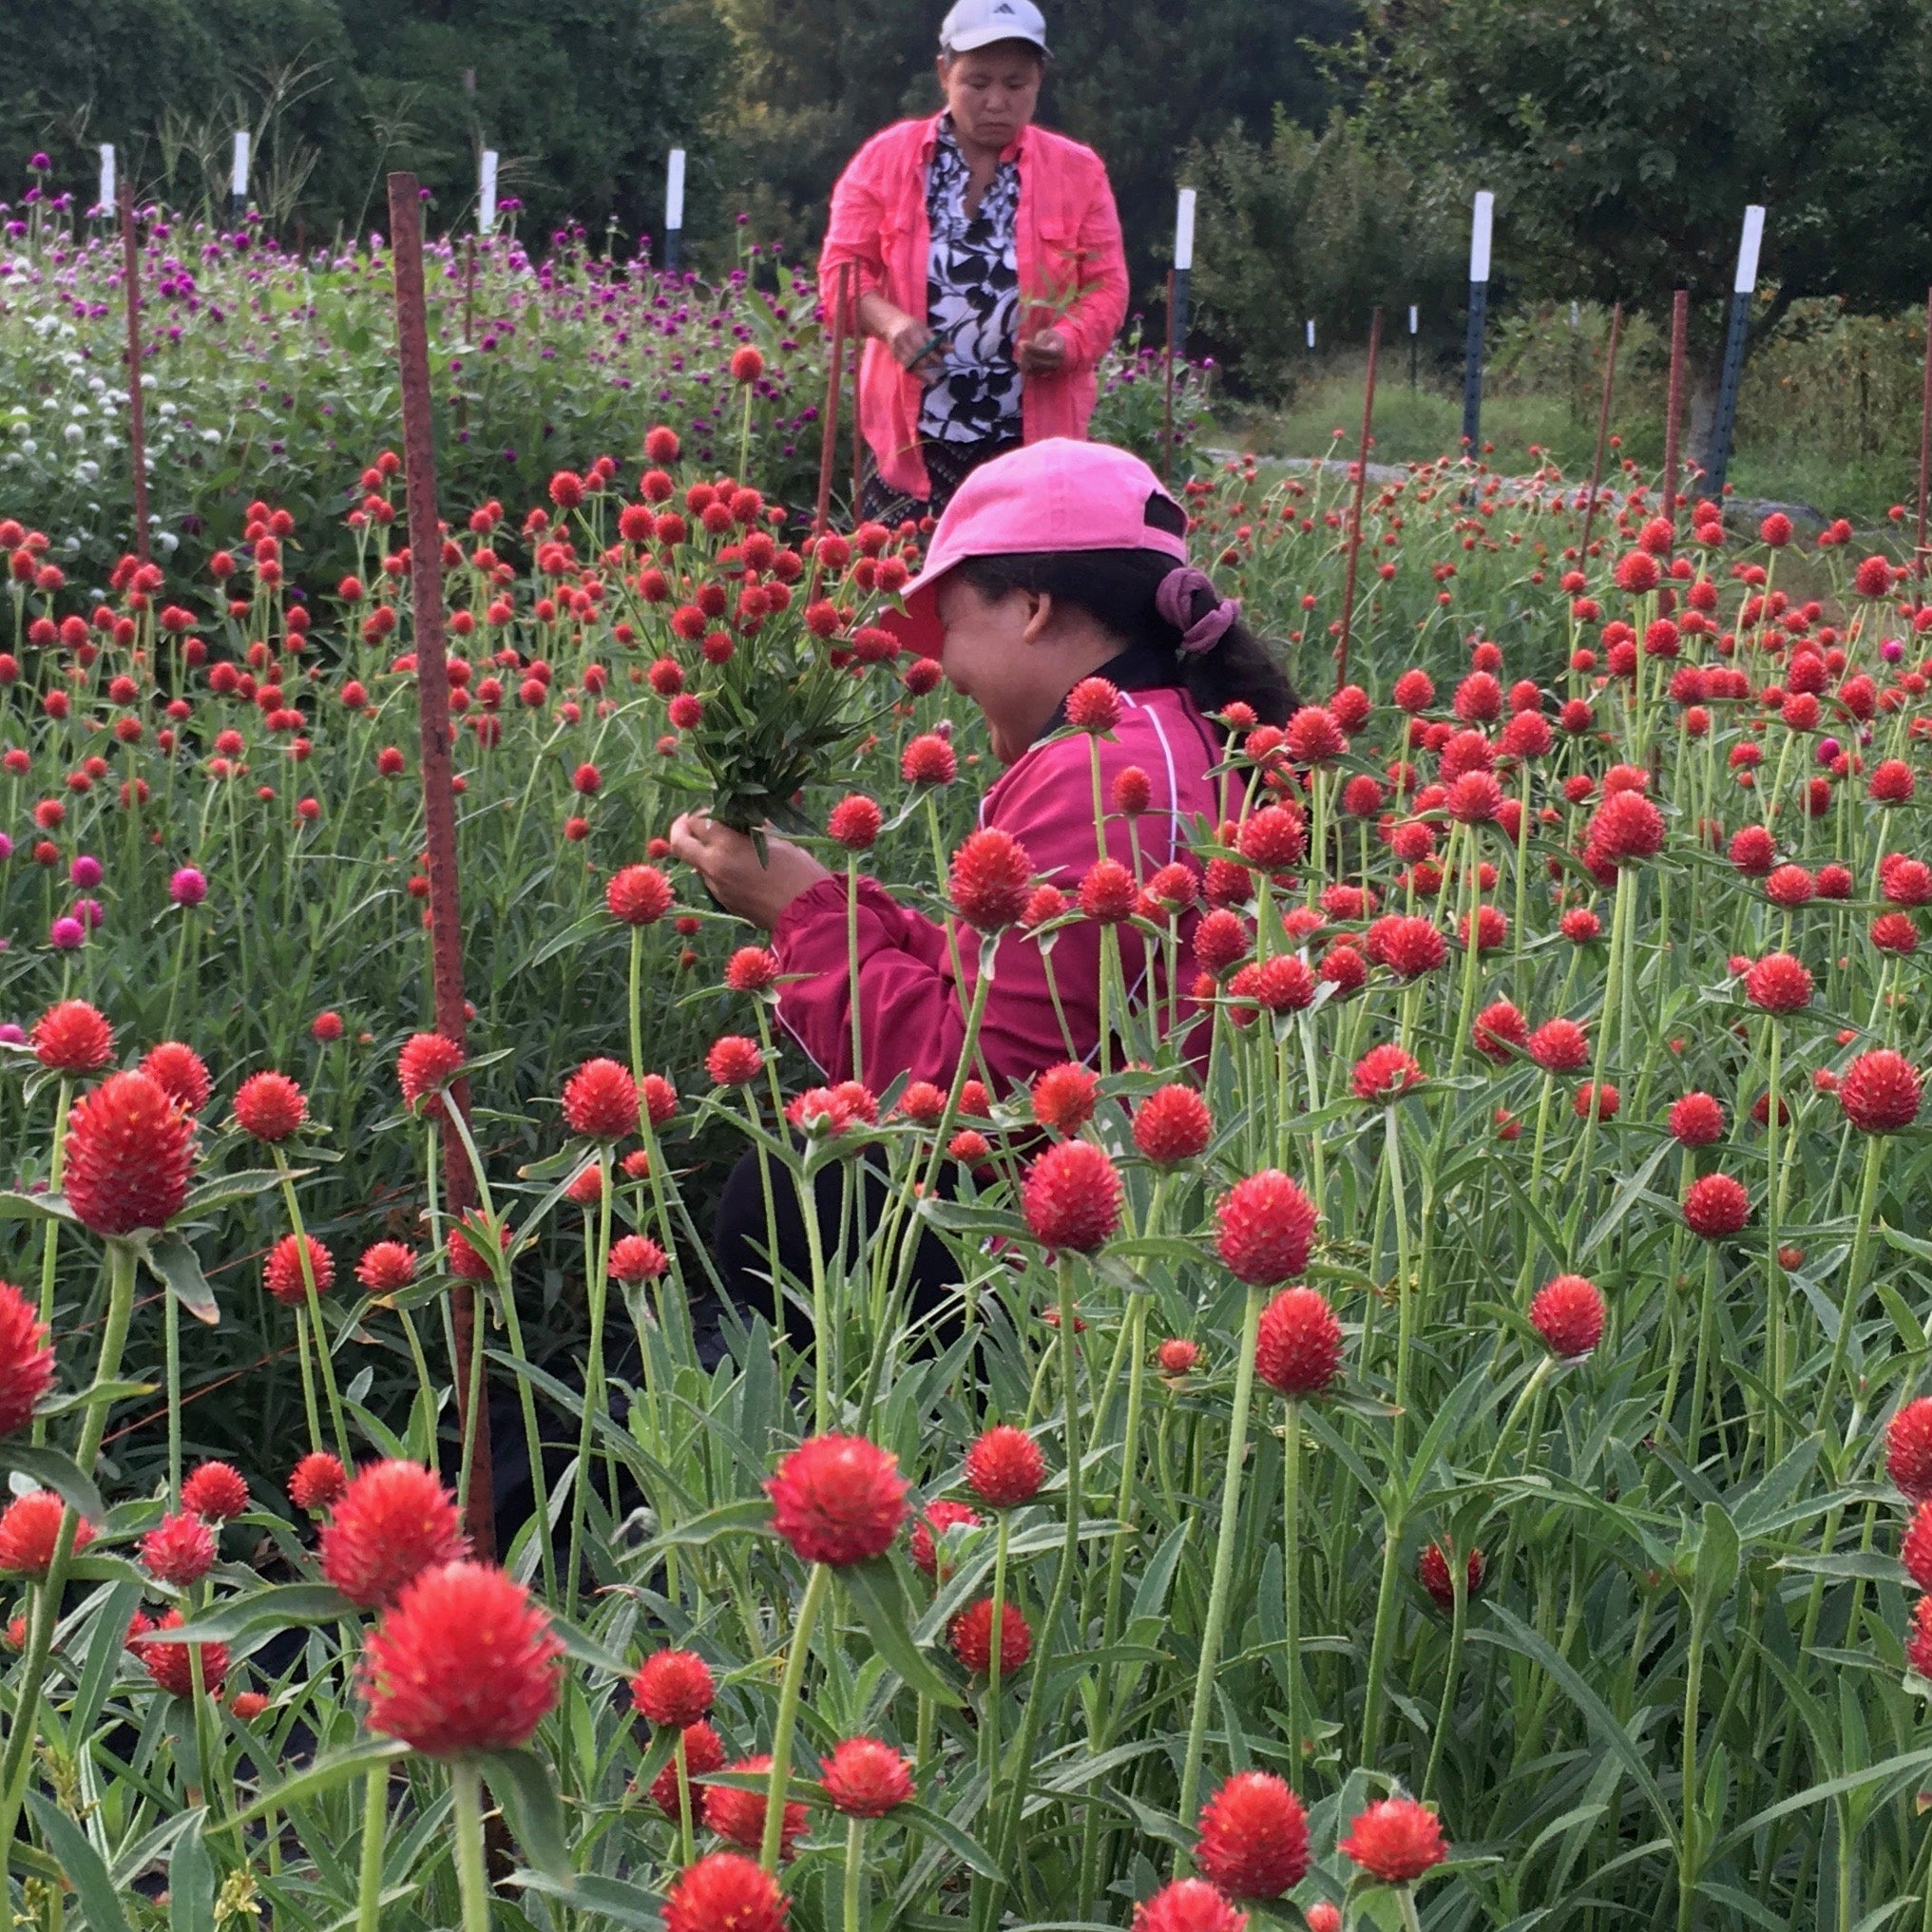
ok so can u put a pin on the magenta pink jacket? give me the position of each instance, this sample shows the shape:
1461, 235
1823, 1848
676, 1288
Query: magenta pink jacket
912, 1016
1067, 243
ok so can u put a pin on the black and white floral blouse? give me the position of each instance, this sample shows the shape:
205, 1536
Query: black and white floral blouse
972, 297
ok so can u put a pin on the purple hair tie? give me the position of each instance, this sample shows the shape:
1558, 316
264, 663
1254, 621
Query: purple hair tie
1174, 598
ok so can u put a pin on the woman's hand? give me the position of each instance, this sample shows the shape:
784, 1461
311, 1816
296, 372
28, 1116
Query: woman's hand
728, 863
1043, 354
903, 335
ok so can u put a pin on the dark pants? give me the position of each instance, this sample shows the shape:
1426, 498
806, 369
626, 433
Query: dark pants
948, 465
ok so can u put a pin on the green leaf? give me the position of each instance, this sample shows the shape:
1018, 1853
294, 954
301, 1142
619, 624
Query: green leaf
519, 1780
191, 1882
19, 1207
969, 1852
730, 1519
879, 1599
85, 1398
243, 1185
86, 1869
325, 1775
53, 1470
1718, 1553
276, 1606
625, 1903
175, 1264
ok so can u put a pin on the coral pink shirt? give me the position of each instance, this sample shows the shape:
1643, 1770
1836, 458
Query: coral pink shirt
1072, 270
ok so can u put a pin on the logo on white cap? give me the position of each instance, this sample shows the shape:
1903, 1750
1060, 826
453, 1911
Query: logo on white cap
982, 23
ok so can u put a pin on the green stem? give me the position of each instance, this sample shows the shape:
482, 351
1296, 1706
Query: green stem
472, 1882
816, 1584
375, 1830
854, 1871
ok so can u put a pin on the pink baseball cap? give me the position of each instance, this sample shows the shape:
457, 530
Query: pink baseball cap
1056, 494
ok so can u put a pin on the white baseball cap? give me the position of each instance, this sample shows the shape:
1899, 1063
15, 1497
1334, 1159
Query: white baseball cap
983, 23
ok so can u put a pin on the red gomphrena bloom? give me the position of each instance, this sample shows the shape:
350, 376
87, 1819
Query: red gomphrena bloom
1474, 798
1109, 893
1064, 1098
318, 1480
1791, 887
394, 1521
1697, 1120
72, 1038
386, 1266
463, 1662
1779, 984
1298, 1346
1254, 1837
1190, 1904
1281, 984
1004, 1467
1892, 782
1395, 1840
567, 490
1874, 577
180, 1073
1909, 1449
1415, 691
1221, 939
1626, 828
179, 1549
1715, 1206
1408, 946
282, 1274
131, 1153
637, 895
972, 1637
990, 880
837, 1500
27, 1363
1498, 1029
269, 1107
1071, 1197
733, 1061
1559, 1046
30, 1527
601, 1101
1603, 1099
725, 1892
1755, 853
1881, 1092
1178, 1355
168, 1665
1432, 1572
1272, 838
427, 1064
739, 1815
1315, 736
1267, 1227
1173, 1125
703, 1753
1386, 1073
215, 1492
1568, 1314
751, 969
673, 1687
1895, 932
934, 1521
1914, 1552
636, 1258
856, 823
1093, 705
1919, 1645
929, 759
747, 364
866, 1779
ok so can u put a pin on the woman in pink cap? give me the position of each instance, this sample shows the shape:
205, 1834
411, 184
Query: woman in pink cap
984, 257
1057, 563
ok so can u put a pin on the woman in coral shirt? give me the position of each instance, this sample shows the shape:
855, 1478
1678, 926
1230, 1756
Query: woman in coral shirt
984, 257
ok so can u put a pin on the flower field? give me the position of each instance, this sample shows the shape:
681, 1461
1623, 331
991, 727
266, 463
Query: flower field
1428, 1429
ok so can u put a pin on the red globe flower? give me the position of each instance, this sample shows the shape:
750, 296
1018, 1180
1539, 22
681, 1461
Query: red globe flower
269, 1107
1559, 1046
1268, 1226
72, 1038
934, 1521
636, 1258
26, 1363
318, 1480
703, 1751
179, 1549
282, 1274
1178, 1355
866, 1779
1004, 1468
1919, 1645
747, 364
739, 1815
1697, 1120
30, 1527
464, 1662
1071, 1197
180, 1073
169, 1667
1315, 736
1409, 946
427, 1064
1568, 1314
215, 1492
1498, 1029
1298, 1345
1386, 1073
1093, 705
733, 1061
394, 1521
1715, 1206
1254, 1837
856, 823
1753, 851
1881, 1092
1173, 1125
386, 1266
673, 1687
601, 1101
131, 1153
929, 759
990, 880
1779, 984
725, 1892
1432, 1572
837, 1500
1914, 1552
637, 895
1064, 1099
972, 1637
1395, 1840
1188, 1905
1272, 838
1625, 828
1909, 1449
1109, 893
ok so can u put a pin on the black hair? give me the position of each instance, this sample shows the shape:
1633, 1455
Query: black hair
1117, 589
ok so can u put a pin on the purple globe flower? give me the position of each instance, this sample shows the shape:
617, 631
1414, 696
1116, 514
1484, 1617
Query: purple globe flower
5, 848
13, 1033
67, 935
1892, 650
89, 912
189, 886
86, 872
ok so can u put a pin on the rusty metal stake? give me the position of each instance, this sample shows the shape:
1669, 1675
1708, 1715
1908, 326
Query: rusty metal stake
1355, 514
137, 410
1602, 426
1924, 466
858, 441
1680, 325
835, 380
439, 802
